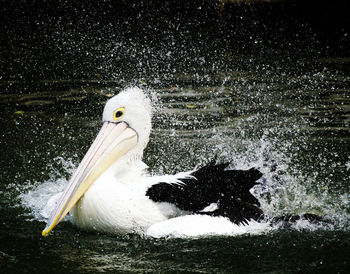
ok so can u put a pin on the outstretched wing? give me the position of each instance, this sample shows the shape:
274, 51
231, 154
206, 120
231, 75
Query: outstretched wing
227, 191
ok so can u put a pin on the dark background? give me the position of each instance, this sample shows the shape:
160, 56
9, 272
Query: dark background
114, 40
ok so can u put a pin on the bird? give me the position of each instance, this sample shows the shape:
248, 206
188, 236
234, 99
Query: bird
112, 192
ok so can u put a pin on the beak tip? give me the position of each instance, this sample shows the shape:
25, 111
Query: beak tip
44, 233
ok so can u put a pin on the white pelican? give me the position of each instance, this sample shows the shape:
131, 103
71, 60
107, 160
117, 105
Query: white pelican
111, 191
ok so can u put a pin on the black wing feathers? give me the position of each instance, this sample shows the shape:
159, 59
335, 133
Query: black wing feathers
213, 184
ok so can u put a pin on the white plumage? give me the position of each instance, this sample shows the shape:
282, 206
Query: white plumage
116, 202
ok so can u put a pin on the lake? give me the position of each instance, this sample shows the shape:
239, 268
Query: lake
239, 89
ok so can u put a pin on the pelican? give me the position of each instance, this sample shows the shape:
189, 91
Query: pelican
112, 192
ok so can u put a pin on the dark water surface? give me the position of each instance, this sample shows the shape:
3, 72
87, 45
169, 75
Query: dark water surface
260, 85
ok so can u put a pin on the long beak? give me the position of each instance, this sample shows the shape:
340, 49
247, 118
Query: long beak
112, 142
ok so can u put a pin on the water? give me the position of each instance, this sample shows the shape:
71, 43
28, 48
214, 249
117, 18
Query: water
191, 125
286, 113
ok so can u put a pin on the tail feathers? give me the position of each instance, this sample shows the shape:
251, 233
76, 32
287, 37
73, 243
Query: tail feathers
228, 189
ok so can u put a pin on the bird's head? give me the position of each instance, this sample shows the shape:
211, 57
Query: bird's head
133, 108
124, 134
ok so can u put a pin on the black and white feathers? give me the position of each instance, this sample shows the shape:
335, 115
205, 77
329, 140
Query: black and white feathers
214, 191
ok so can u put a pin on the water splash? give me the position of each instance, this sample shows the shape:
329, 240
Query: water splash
280, 193
41, 199
285, 189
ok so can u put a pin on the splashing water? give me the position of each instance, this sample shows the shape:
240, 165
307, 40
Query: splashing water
41, 200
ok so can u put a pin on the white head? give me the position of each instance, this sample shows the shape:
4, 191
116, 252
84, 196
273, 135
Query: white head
133, 107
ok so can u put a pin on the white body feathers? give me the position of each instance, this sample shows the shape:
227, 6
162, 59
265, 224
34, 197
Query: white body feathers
117, 202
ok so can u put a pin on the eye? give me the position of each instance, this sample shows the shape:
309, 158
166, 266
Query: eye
118, 114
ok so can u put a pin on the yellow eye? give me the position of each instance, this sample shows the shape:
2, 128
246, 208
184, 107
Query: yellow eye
118, 114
